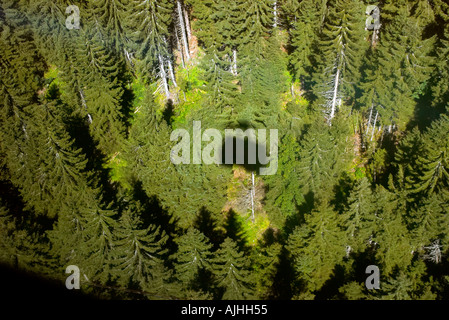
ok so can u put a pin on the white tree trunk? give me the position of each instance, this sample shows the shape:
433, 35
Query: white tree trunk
180, 48
275, 14
334, 97
163, 76
83, 102
369, 119
183, 30
253, 195
172, 74
374, 126
234, 62
170, 67
188, 29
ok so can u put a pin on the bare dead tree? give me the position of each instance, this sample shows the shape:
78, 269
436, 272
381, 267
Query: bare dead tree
332, 95
178, 43
188, 28
163, 76
433, 252
183, 29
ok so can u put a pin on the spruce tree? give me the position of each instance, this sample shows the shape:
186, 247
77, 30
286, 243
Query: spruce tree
304, 34
341, 49
407, 62
316, 247
266, 263
231, 270
150, 22
440, 85
193, 257
324, 153
50, 173
431, 173
110, 15
359, 216
101, 92
427, 222
284, 192
392, 239
138, 251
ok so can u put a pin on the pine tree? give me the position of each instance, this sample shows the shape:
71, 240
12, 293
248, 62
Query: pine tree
101, 92
358, 218
322, 156
392, 237
150, 22
341, 49
231, 269
193, 257
431, 173
283, 194
440, 85
304, 34
266, 263
317, 247
427, 222
138, 251
110, 15
407, 62
50, 172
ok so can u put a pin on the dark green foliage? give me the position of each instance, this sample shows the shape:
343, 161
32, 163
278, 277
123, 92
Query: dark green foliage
231, 270
138, 250
193, 260
358, 218
342, 47
86, 177
304, 34
317, 247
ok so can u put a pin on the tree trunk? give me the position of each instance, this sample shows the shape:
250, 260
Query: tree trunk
374, 126
275, 14
170, 67
335, 96
180, 48
188, 29
234, 62
172, 74
369, 119
183, 31
83, 102
163, 76
253, 195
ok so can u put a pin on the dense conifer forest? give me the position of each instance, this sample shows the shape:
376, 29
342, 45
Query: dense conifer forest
90, 96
